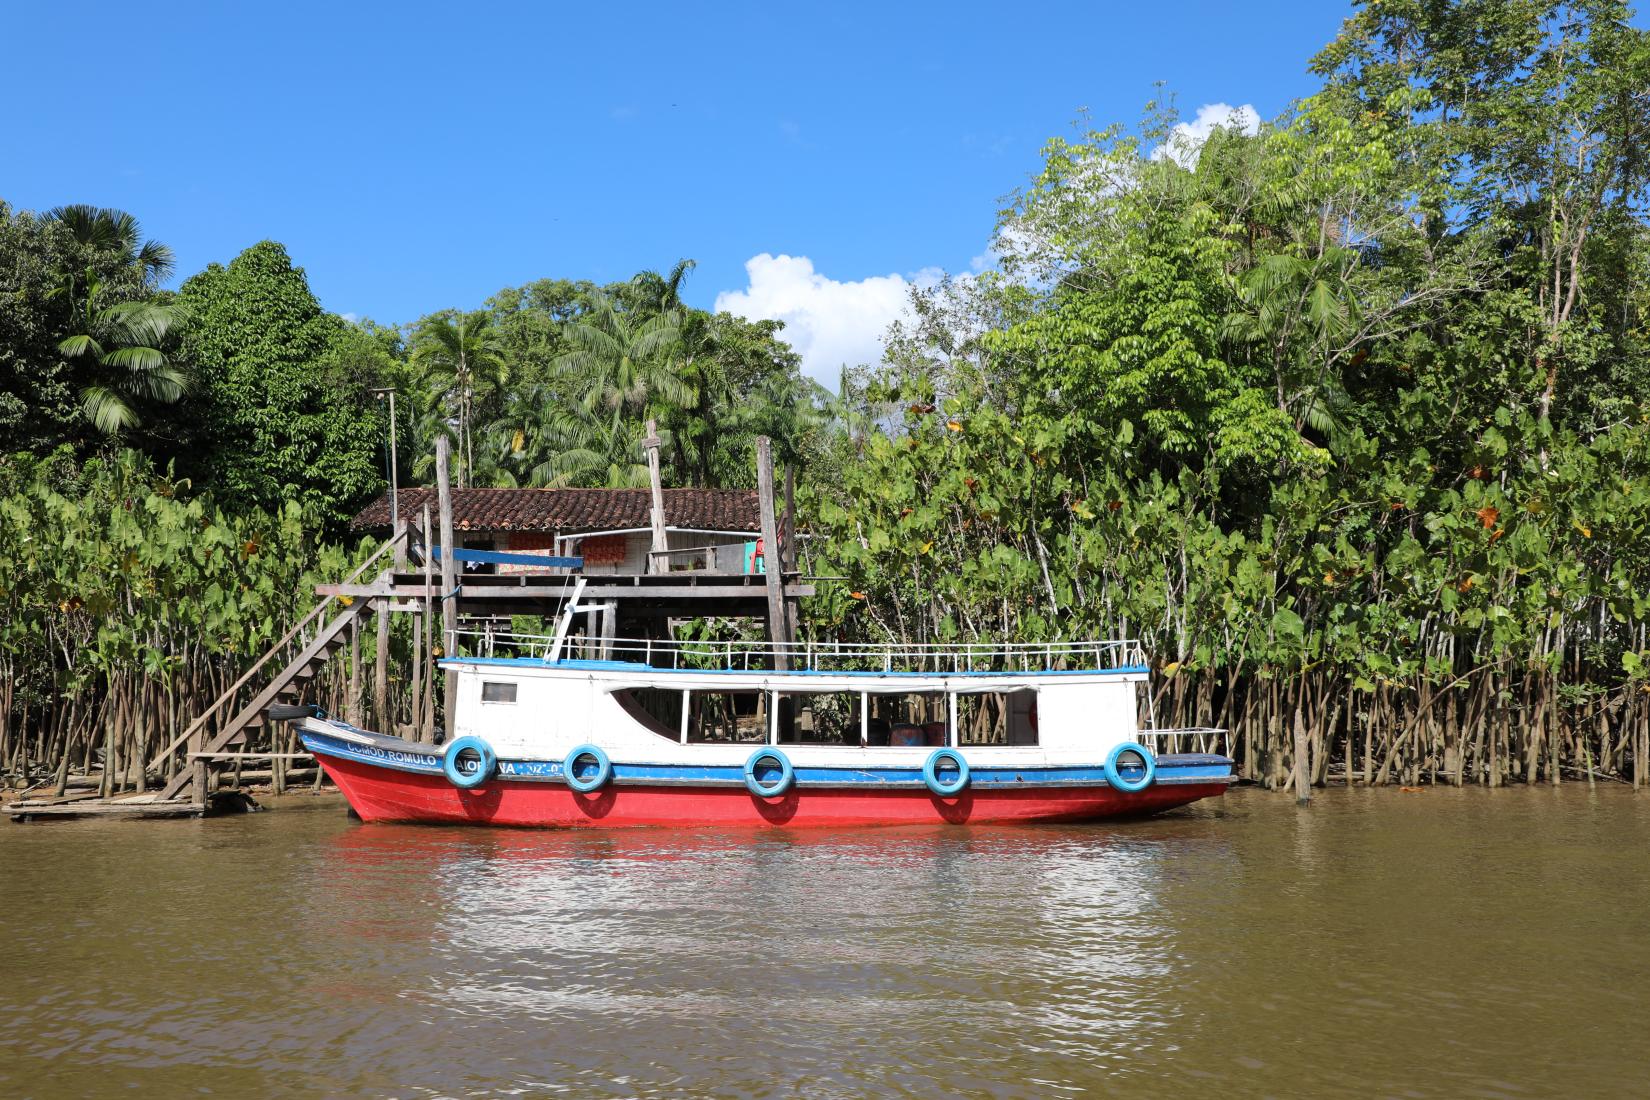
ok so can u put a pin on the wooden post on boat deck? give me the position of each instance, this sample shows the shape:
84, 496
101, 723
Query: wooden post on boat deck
772, 562
1303, 766
658, 561
449, 580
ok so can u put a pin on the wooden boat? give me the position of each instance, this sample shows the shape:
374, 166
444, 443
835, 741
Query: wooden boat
618, 733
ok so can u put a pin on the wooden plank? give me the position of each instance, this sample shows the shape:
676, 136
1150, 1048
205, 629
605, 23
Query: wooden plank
253, 756
377, 588
22, 811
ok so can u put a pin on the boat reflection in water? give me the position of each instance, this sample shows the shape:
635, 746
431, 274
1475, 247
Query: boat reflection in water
669, 943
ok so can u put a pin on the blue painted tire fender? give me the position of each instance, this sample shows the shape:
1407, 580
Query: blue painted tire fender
931, 773
1114, 773
586, 784
787, 774
486, 762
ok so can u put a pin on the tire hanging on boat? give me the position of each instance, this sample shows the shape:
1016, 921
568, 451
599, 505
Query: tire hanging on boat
486, 762
1114, 772
787, 774
931, 773
586, 784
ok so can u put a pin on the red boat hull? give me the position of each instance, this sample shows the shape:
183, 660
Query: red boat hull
383, 794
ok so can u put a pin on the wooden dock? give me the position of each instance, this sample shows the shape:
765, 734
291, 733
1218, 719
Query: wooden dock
88, 804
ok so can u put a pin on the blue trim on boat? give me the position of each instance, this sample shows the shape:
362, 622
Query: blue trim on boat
638, 666
1171, 769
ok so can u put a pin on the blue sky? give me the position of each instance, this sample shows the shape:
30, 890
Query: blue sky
415, 157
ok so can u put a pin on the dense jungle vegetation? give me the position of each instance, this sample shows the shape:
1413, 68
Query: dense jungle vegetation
1346, 419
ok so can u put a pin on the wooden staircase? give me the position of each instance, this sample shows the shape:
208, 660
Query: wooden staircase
307, 647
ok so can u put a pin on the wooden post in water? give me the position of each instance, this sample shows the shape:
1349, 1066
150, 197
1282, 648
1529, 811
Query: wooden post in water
771, 561
1303, 768
658, 561
449, 580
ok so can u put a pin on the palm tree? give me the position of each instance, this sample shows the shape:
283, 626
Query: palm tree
460, 354
662, 293
123, 341
621, 362
550, 443
115, 231
1303, 312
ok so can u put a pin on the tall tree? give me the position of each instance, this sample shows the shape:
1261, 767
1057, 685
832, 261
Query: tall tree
463, 359
620, 361
118, 236
283, 410
124, 342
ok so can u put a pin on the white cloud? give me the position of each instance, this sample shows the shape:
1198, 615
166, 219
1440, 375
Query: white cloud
350, 317
830, 323
1187, 138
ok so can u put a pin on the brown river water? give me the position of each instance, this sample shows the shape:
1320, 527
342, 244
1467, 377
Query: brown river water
1377, 944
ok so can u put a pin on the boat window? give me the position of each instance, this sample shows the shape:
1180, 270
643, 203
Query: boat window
997, 718
907, 721
825, 717
658, 710
498, 691
720, 716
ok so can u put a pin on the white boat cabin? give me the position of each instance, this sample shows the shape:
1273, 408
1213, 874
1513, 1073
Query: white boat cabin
865, 706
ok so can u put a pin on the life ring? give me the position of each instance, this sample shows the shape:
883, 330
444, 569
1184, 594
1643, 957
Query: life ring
570, 763
787, 774
486, 762
1114, 774
931, 773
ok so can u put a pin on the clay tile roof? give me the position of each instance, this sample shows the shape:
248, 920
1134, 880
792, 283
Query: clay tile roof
573, 510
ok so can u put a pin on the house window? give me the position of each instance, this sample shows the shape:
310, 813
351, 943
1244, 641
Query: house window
498, 691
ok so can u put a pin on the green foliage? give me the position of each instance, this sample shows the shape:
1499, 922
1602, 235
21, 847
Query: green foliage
112, 568
1287, 403
282, 406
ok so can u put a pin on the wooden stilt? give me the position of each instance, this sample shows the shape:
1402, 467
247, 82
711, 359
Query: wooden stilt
449, 581
354, 708
381, 668
658, 561
427, 719
772, 564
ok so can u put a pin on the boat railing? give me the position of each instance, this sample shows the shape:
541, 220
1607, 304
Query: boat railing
1187, 739
815, 656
